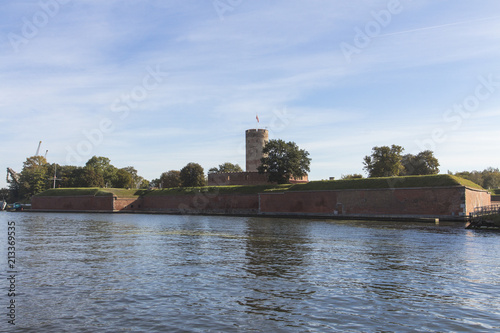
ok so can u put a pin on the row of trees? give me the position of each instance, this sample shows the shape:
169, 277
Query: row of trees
282, 161
189, 176
38, 175
388, 161
226, 167
488, 178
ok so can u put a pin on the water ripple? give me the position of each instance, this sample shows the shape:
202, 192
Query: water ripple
142, 273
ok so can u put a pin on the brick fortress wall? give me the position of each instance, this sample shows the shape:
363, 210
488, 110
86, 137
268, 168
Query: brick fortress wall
73, 203
444, 202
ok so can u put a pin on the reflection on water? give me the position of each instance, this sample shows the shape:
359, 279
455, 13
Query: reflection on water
156, 273
276, 252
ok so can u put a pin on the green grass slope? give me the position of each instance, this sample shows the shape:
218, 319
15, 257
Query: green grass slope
234, 189
385, 182
69, 192
348, 184
120, 192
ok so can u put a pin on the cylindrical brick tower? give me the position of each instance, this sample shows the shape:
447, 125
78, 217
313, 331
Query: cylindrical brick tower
256, 139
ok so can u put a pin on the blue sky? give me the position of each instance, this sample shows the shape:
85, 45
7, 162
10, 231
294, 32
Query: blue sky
159, 84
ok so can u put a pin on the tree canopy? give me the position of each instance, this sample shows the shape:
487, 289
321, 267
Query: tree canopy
38, 175
488, 178
170, 179
226, 167
33, 178
99, 172
192, 175
123, 179
388, 161
384, 161
136, 181
424, 163
283, 161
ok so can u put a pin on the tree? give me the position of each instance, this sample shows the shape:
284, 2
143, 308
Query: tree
192, 175
284, 160
491, 178
155, 183
424, 163
226, 167
14, 188
92, 177
35, 162
145, 184
102, 167
75, 177
170, 179
137, 181
384, 161
70, 176
488, 178
123, 179
99, 163
34, 177
6, 194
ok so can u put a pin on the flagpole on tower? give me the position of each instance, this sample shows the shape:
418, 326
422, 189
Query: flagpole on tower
257, 117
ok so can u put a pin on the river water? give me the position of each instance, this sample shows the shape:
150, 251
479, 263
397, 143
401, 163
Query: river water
163, 273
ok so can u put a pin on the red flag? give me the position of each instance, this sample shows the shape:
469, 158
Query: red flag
257, 117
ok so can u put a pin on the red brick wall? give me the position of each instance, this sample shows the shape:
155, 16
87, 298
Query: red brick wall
203, 203
435, 202
476, 198
124, 204
76, 203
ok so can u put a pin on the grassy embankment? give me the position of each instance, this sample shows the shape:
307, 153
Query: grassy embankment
362, 183
119, 192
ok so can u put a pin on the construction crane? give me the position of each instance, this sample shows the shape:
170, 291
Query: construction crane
38, 149
14, 175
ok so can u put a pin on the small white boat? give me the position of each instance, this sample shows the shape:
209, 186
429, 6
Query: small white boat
3, 204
